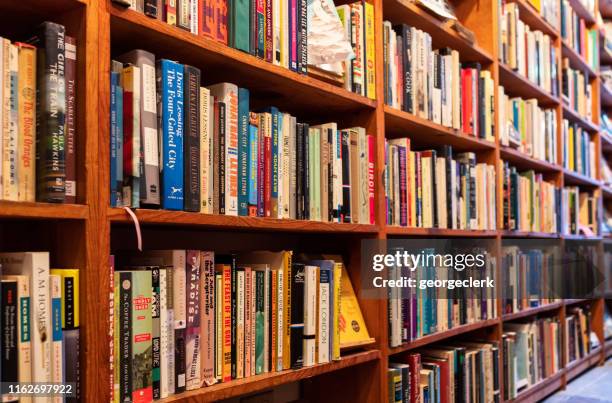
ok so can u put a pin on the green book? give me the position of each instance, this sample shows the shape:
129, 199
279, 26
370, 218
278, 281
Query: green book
240, 27
142, 349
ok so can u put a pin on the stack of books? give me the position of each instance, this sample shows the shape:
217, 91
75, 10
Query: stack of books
580, 212
180, 146
579, 150
38, 117
434, 84
529, 278
186, 319
529, 52
39, 322
527, 127
578, 331
577, 91
531, 353
433, 189
549, 10
456, 371
531, 204
577, 36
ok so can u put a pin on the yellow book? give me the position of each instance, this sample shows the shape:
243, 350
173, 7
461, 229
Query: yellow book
287, 261
370, 51
354, 330
218, 327
338, 269
570, 146
70, 297
535, 4
27, 122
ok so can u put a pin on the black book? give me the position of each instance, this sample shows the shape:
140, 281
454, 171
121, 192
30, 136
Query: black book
71, 356
151, 8
302, 37
9, 327
230, 260
447, 154
346, 177
50, 112
299, 199
191, 147
297, 315
307, 173
222, 109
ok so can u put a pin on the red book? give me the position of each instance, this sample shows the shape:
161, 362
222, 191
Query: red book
371, 176
466, 101
267, 174
206, 16
414, 360
445, 395
128, 129
221, 21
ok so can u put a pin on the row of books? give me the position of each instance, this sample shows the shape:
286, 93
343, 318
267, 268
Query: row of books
530, 203
458, 371
548, 9
579, 150
580, 212
39, 322
419, 311
359, 73
37, 118
434, 189
578, 36
528, 278
434, 84
578, 332
186, 319
531, 353
529, 52
577, 91
527, 127
215, 156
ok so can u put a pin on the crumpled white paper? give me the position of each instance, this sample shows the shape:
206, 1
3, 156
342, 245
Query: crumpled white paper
328, 45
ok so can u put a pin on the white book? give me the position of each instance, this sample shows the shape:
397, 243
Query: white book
11, 133
206, 146
166, 332
280, 167
448, 78
253, 323
323, 316
310, 314
240, 282
286, 166
57, 353
35, 265
3, 68
193, 20
364, 198
455, 90
276, 33
441, 192
336, 170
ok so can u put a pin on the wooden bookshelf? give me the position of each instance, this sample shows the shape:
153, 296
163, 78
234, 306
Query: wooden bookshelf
82, 235
577, 61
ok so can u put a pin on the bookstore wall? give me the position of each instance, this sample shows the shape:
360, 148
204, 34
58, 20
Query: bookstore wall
187, 186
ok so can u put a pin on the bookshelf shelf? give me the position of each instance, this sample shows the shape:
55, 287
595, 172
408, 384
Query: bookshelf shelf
524, 162
573, 116
523, 234
36, 210
257, 383
438, 232
576, 60
533, 18
532, 311
574, 178
183, 218
541, 389
437, 337
517, 85
577, 367
583, 12
288, 89
399, 123
575, 301
574, 237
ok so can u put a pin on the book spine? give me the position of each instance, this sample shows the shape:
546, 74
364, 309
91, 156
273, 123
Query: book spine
268, 31
70, 146
337, 278
227, 324
346, 178
207, 324
261, 35
371, 180
221, 156
280, 314
170, 117
324, 314
71, 358
193, 341
234, 320
164, 340
57, 356
9, 362
50, 113
253, 160
240, 325
300, 172
259, 319
297, 316
208, 23
179, 296
131, 130
267, 165
287, 306
142, 388
248, 320
274, 163
231, 155
303, 37
243, 152
123, 283
191, 150
150, 8
369, 50
273, 320
183, 14
170, 12
293, 35
156, 332
114, 198
307, 174
310, 315
206, 152
27, 124
261, 166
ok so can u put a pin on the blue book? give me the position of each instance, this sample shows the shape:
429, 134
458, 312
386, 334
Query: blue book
113, 139
119, 139
274, 154
170, 90
243, 151
253, 166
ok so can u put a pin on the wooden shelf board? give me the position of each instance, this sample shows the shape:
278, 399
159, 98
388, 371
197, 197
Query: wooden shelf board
532, 311
576, 60
574, 237
525, 162
51, 211
583, 12
574, 178
577, 367
290, 90
523, 234
440, 336
438, 232
573, 116
425, 133
532, 17
257, 383
575, 301
442, 35
183, 218
606, 94
541, 389
516, 85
